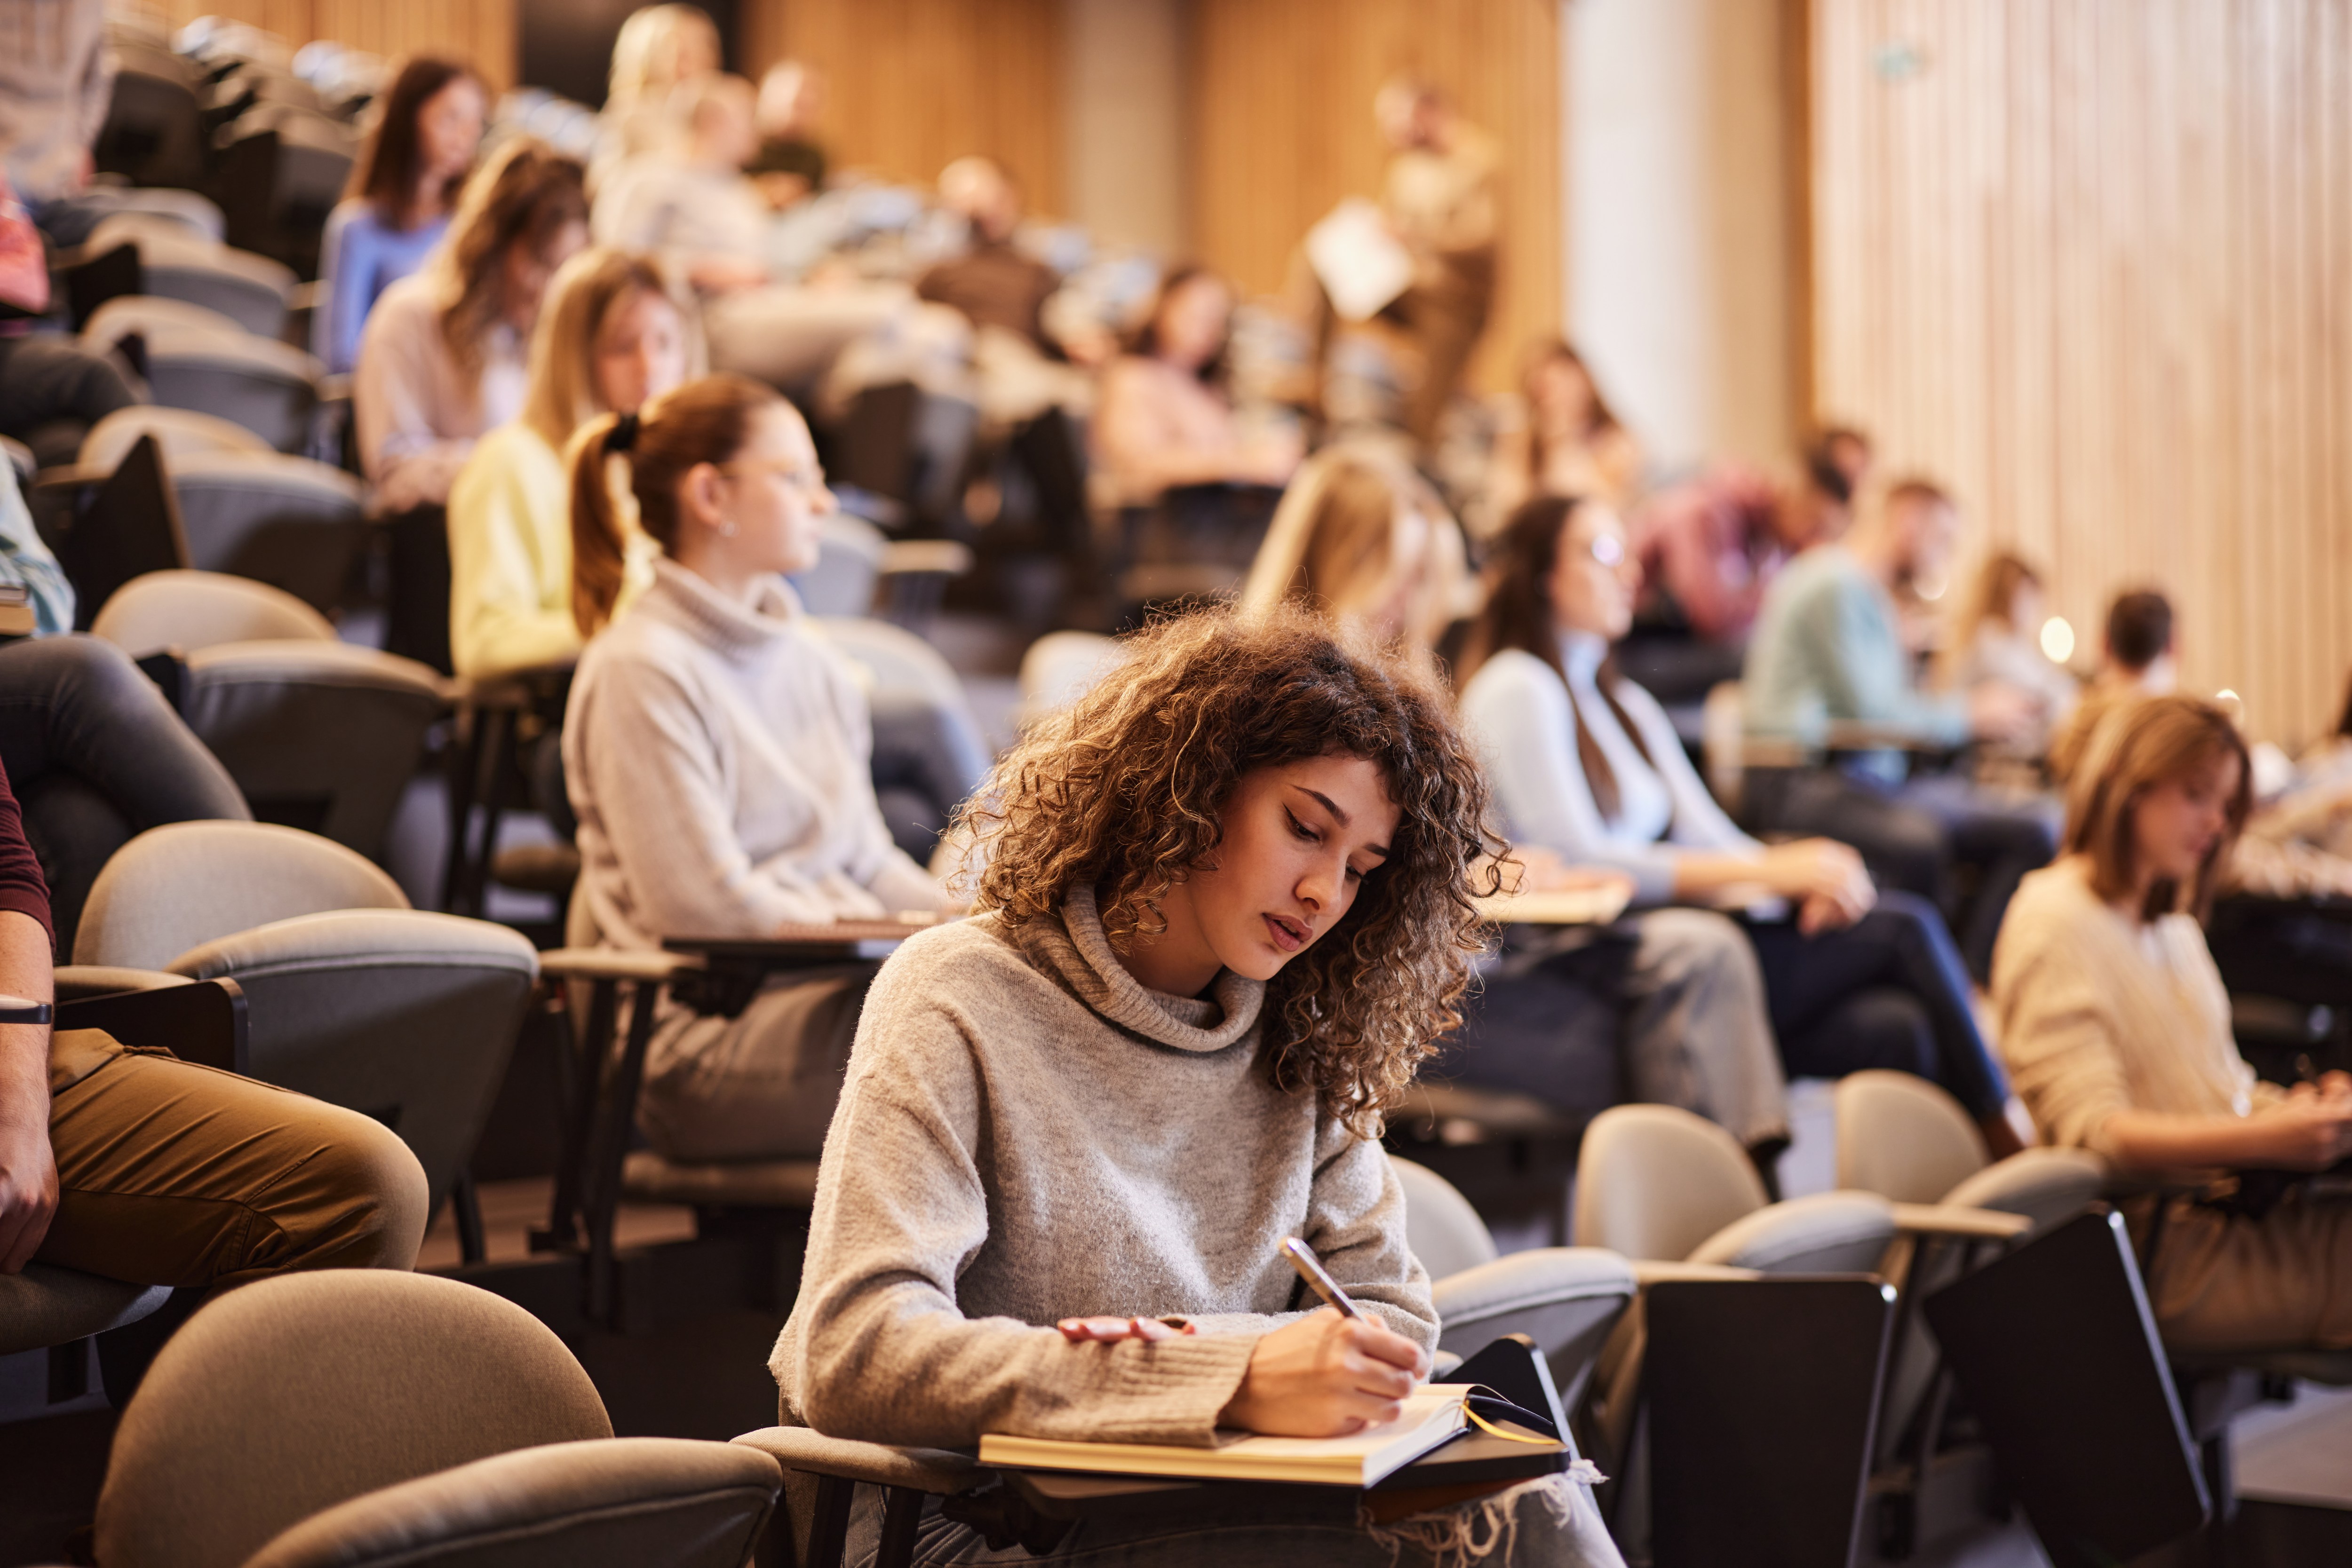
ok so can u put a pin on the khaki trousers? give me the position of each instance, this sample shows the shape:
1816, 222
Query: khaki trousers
173, 1174
2225, 1283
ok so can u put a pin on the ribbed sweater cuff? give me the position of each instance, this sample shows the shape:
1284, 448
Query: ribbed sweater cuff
1169, 1391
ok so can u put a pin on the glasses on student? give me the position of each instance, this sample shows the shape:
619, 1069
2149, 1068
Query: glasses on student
805, 475
1608, 549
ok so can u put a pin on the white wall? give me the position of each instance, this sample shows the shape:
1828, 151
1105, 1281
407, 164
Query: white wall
1679, 256
1126, 120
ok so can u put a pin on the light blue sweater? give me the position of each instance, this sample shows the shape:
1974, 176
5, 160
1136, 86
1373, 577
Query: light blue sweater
359, 256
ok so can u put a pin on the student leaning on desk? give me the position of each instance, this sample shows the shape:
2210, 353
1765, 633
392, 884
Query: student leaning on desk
1227, 904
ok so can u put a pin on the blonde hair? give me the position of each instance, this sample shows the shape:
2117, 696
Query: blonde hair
706, 421
649, 51
2138, 746
1332, 543
587, 292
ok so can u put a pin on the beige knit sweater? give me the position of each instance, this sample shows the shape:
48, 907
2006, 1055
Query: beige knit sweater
2100, 1012
1028, 1134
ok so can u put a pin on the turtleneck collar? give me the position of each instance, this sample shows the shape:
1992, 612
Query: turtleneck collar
1076, 952
1581, 653
733, 629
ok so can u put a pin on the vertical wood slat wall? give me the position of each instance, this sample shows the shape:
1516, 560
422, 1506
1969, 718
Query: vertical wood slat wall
913, 84
481, 31
2089, 261
1282, 129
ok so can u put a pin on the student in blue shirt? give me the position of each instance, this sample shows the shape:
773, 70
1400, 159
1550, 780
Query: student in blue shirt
1828, 646
402, 191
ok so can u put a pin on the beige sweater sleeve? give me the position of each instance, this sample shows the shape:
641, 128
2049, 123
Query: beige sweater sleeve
2058, 1039
884, 1352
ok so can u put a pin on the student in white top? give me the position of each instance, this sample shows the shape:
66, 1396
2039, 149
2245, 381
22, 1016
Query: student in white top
717, 753
2115, 1022
610, 339
441, 360
1665, 1006
1586, 764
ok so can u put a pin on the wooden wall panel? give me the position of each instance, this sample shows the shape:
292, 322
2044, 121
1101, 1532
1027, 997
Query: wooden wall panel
481, 31
2085, 261
914, 84
1282, 124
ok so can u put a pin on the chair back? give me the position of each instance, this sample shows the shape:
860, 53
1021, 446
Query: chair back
1655, 1181
182, 431
288, 521
297, 1392
1444, 1232
1062, 666
266, 387
195, 610
848, 564
158, 321
618, 1502
405, 1016
178, 887
321, 735
1904, 1137
252, 290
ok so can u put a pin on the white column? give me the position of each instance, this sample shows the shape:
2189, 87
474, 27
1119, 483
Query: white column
1679, 260
1125, 121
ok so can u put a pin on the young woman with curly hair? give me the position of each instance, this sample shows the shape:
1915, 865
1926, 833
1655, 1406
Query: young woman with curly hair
1227, 904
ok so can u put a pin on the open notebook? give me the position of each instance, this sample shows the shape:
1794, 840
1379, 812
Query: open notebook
1433, 1415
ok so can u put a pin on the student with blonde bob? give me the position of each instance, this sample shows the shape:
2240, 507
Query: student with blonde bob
1227, 905
610, 338
2116, 1030
718, 752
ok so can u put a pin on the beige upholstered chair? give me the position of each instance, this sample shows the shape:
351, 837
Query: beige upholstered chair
358, 1416
351, 996
1565, 1298
183, 432
314, 731
177, 263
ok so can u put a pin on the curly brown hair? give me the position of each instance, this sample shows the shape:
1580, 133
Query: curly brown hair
1124, 790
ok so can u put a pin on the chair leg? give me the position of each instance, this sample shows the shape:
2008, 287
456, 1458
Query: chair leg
901, 1513
466, 1204
829, 1528
2221, 1486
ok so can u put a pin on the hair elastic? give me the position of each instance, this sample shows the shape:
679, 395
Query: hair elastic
624, 433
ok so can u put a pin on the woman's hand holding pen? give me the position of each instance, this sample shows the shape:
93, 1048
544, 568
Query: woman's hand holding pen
1325, 1375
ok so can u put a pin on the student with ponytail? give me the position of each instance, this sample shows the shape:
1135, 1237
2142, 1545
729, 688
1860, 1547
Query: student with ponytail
717, 752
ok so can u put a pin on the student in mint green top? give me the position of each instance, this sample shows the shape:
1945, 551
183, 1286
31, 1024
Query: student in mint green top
402, 193
1828, 646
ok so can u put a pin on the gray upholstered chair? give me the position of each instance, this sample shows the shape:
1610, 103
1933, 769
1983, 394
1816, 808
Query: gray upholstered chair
210, 363
179, 264
353, 997
1566, 1298
182, 431
357, 1417
315, 731
927, 750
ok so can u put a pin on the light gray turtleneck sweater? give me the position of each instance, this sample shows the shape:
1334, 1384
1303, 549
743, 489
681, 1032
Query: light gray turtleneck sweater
718, 757
1028, 1134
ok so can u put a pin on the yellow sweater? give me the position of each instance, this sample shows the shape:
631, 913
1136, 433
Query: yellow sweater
510, 557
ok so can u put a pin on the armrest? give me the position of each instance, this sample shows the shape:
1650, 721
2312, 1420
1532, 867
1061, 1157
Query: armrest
1648, 1272
1536, 1278
945, 556
1962, 1224
939, 1471
202, 1021
613, 964
77, 982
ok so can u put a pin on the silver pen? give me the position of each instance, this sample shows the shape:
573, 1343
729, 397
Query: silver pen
1310, 1269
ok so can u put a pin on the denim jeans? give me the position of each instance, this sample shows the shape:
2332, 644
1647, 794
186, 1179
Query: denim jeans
52, 389
1888, 991
97, 756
